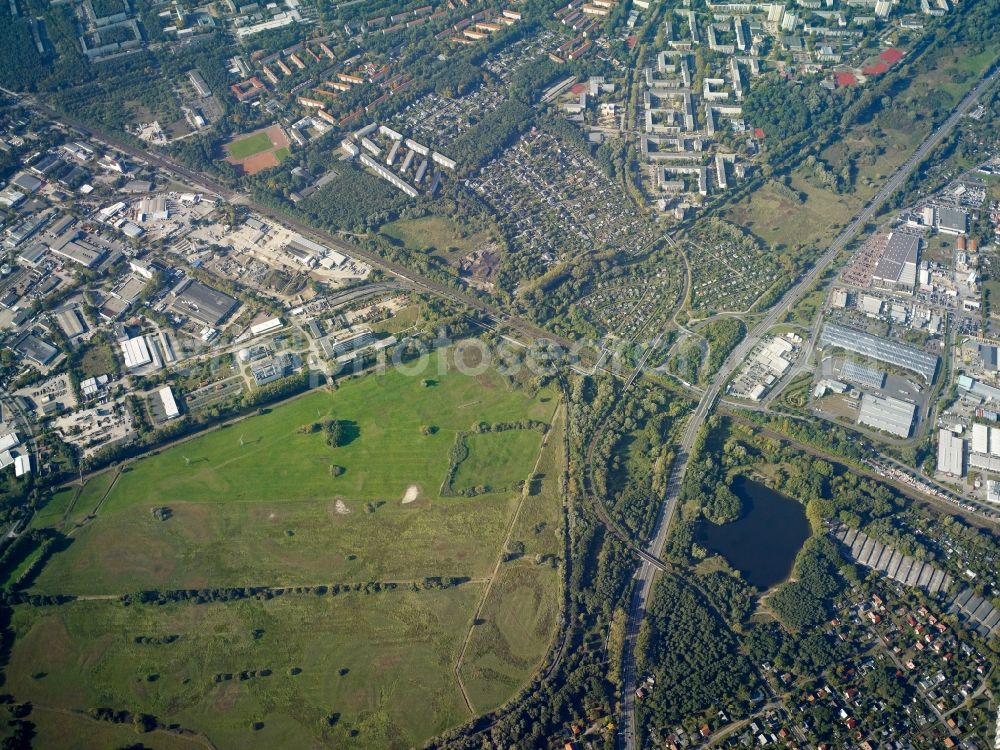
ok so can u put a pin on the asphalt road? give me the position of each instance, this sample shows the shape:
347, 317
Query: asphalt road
644, 576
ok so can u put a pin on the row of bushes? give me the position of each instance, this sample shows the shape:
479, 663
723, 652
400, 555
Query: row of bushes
236, 593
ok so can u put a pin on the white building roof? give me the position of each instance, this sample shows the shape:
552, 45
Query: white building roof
169, 405
950, 453
268, 325
887, 414
136, 352
980, 438
22, 465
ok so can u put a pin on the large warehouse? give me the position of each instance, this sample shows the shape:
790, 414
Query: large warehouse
887, 414
201, 302
136, 352
897, 268
878, 348
951, 453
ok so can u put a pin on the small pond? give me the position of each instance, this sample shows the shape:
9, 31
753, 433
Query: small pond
763, 542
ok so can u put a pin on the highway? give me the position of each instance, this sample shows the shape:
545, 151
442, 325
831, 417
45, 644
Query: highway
647, 570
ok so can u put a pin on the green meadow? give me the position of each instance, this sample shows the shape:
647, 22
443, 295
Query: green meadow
255, 504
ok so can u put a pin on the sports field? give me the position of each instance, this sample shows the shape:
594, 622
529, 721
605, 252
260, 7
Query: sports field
256, 504
259, 151
252, 144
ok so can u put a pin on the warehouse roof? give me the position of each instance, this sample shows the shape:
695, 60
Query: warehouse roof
887, 414
205, 303
900, 249
881, 349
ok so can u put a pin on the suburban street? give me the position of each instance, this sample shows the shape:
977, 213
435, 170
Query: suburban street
646, 573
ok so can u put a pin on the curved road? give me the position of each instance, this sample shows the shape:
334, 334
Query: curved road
644, 576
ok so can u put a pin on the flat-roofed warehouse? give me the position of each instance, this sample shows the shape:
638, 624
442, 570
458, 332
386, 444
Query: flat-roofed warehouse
887, 414
80, 251
878, 348
136, 352
36, 349
951, 453
71, 322
862, 374
952, 220
897, 268
208, 305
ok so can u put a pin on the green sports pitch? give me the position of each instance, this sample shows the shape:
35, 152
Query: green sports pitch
252, 144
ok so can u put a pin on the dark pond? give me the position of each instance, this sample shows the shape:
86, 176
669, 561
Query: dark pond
763, 542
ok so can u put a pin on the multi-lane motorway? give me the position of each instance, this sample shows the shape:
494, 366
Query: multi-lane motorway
647, 570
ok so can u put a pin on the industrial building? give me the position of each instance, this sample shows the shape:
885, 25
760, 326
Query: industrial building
71, 322
35, 349
136, 352
82, 249
887, 414
951, 453
862, 374
271, 369
897, 268
266, 326
170, 409
334, 347
952, 220
22, 465
881, 349
203, 303
27, 182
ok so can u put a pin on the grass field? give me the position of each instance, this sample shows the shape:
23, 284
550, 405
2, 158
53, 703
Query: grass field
97, 360
269, 510
491, 453
269, 513
252, 144
517, 619
70, 506
778, 219
396, 648
435, 235
70, 731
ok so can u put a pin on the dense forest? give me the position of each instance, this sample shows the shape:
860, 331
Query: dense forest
694, 659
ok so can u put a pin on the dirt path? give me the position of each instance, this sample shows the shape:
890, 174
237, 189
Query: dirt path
496, 567
100, 503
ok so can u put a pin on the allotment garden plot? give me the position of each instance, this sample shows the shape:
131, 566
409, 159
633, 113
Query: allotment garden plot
556, 205
626, 302
730, 269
